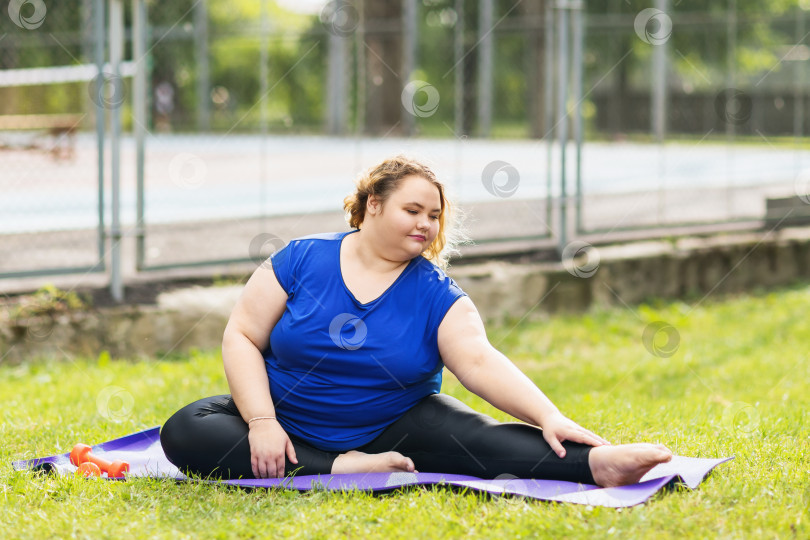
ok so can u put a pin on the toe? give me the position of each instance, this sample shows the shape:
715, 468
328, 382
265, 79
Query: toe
405, 464
397, 460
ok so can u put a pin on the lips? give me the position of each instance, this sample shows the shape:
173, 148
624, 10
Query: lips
417, 237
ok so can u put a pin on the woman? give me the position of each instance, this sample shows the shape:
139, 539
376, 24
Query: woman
334, 354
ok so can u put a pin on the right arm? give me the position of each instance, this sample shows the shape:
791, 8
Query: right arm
246, 335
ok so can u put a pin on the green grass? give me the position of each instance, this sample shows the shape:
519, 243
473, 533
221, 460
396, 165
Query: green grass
737, 385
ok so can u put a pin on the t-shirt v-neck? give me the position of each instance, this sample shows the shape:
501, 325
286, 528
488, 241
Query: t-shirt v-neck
373, 302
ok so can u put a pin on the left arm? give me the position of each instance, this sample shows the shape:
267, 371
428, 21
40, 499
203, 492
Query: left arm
486, 372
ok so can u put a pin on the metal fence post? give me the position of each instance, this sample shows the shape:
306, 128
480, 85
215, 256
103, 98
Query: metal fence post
116, 50
731, 82
548, 127
562, 120
578, 37
336, 90
409, 42
98, 30
485, 30
360, 68
659, 77
569, 13
458, 61
264, 113
203, 72
139, 23
798, 91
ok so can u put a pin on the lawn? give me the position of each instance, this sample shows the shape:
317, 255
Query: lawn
725, 377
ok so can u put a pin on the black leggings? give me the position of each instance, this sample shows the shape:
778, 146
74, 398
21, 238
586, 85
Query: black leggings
439, 433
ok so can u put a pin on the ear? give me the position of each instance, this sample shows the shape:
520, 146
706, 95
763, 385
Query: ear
373, 205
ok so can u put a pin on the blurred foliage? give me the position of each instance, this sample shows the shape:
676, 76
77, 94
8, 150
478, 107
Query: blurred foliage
297, 45
48, 300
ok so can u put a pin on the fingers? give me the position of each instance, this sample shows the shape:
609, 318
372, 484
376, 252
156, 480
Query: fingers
573, 434
268, 459
585, 437
579, 434
259, 468
279, 472
266, 468
555, 444
291, 452
596, 437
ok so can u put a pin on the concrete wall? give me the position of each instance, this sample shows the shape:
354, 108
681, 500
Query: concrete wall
689, 268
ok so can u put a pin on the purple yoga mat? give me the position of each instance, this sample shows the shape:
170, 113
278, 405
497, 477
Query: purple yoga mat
146, 458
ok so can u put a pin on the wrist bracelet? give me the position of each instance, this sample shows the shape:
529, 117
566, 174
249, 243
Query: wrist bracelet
260, 418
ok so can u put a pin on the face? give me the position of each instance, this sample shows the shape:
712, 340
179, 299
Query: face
409, 219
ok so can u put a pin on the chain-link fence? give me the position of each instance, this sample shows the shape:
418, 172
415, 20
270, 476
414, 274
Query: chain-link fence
720, 92
258, 115
50, 197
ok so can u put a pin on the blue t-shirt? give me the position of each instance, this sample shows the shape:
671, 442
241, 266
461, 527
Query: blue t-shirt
341, 371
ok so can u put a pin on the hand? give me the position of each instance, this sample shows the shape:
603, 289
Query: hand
268, 445
557, 428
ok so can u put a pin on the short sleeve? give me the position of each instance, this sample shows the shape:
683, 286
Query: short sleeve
448, 292
282, 262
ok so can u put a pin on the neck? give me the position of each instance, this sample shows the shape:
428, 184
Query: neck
364, 250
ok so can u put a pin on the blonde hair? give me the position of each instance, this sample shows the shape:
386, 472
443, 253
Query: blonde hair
382, 180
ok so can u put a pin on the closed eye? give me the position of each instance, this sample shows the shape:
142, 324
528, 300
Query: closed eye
414, 212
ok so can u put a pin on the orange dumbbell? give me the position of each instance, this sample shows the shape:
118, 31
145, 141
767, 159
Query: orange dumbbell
88, 469
81, 454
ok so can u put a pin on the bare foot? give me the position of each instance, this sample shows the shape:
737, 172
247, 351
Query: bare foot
625, 463
357, 462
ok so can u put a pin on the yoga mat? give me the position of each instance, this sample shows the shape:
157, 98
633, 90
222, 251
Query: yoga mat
146, 458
